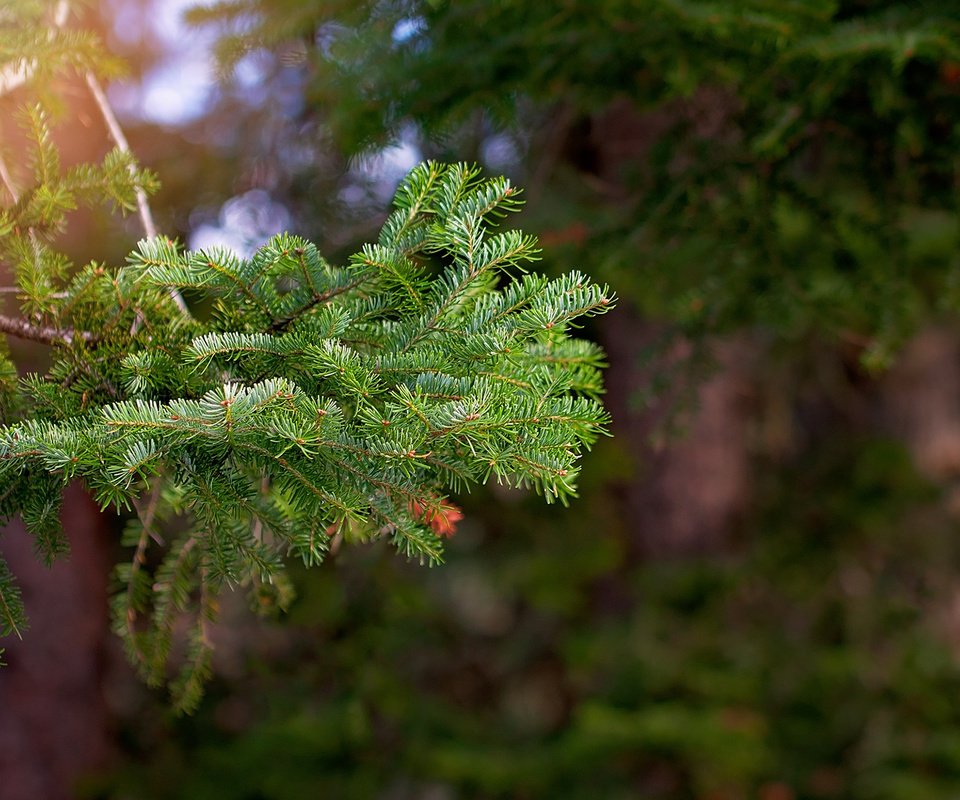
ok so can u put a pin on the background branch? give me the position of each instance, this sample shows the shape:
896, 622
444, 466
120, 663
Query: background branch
14, 75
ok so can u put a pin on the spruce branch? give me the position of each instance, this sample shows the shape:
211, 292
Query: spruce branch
281, 325
60, 197
320, 405
14, 75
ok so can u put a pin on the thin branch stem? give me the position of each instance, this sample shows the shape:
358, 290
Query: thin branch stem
7, 179
256, 529
146, 516
118, 136
143, 205
207, 611
46, 334
18, 290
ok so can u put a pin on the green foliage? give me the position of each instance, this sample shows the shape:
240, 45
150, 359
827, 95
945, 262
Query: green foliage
12, 618
784, 167
564, 668
34, 38
315, 400
38, 214
777, 165
306, 405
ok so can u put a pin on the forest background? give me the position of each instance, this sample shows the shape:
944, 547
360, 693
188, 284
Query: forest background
756, 594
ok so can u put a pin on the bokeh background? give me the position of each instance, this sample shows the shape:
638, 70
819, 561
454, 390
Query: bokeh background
757, 594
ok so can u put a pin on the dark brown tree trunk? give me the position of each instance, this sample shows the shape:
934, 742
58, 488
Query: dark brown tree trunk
920, 402
687, 492
54, 725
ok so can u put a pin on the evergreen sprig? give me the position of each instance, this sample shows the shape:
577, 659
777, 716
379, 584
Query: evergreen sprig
316, 402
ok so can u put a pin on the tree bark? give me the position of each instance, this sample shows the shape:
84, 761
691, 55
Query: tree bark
54, 725
687, 493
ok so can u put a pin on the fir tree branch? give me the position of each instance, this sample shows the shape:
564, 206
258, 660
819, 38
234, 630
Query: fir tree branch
15, 75
20, 327
481, 383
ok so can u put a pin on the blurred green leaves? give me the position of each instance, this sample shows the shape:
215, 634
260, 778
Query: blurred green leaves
817, 668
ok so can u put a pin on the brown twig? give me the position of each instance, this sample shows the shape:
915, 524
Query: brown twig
143, 205
7, 179
46, 334
280, 325
120, 139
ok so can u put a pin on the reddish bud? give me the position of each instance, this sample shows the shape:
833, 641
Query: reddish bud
443, 519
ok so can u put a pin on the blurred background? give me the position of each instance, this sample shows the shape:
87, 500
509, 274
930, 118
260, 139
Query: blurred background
757, 594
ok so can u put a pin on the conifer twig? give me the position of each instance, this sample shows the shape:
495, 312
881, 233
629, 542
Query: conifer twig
17, 326
18, 290
12, 76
